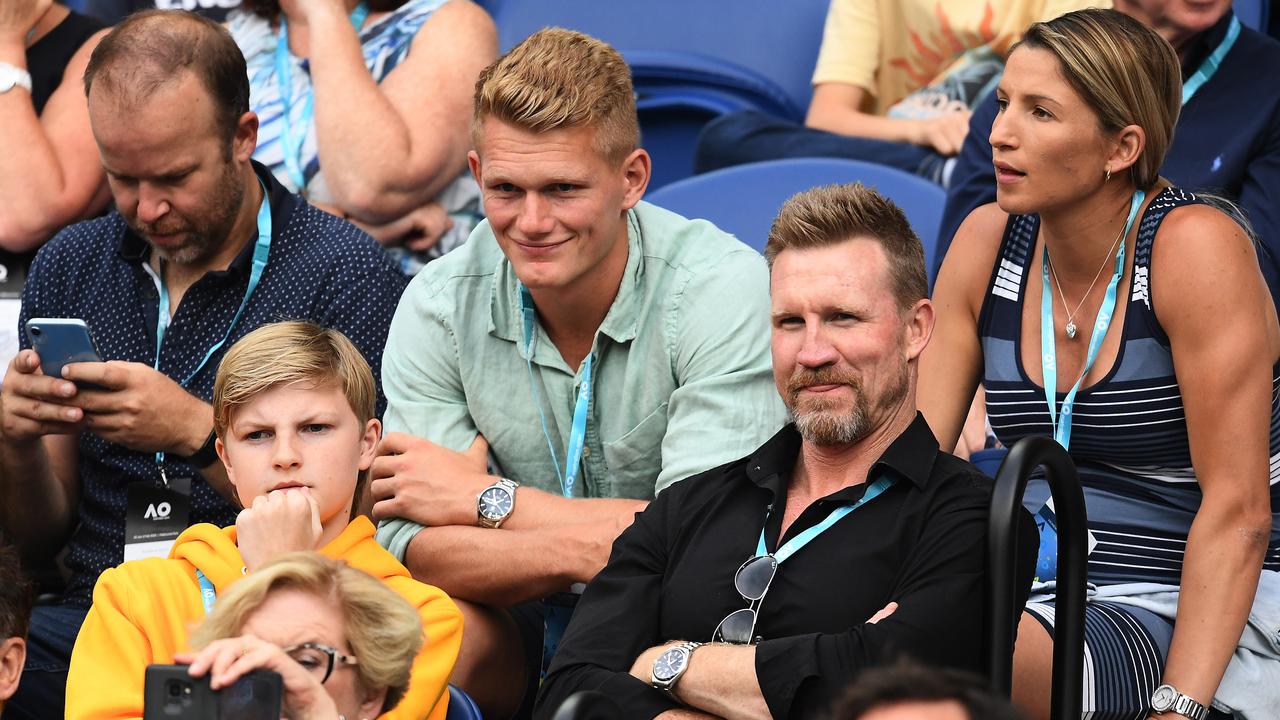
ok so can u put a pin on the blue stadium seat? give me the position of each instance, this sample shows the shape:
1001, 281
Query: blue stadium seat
461, 706
744, 199
690, 61
1253, 13
988, 460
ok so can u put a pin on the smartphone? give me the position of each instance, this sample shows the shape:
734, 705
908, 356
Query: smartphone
60, 341
169, 693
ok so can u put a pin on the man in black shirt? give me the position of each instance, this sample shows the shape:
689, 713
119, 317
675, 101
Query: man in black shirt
862, 541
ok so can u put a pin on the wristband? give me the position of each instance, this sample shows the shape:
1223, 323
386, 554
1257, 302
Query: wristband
207, 454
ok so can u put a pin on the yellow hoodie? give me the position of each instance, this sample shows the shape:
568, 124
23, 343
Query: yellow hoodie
142, 611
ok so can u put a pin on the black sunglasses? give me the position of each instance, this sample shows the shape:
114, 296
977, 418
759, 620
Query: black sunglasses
752, 581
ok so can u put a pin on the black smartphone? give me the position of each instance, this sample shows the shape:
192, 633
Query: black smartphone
61, 341
169, 693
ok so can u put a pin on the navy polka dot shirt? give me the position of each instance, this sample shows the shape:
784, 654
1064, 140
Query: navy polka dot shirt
321, 268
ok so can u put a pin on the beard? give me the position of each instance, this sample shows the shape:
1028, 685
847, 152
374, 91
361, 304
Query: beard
824, 421
205, 233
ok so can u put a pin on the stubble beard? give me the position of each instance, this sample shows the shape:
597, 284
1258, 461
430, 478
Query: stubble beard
206, 234
825, 422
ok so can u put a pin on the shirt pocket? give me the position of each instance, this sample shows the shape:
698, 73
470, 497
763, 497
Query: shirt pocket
634, 460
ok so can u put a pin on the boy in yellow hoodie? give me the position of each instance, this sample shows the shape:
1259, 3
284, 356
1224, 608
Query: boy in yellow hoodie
293, 409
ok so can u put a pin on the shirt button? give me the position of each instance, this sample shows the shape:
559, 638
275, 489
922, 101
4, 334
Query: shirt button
586, 451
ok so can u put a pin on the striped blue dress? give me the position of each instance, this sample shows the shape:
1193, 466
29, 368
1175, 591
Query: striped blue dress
386, 43
1129, 442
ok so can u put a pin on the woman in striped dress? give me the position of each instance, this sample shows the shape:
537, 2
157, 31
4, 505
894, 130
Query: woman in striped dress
1142, 309
365, 108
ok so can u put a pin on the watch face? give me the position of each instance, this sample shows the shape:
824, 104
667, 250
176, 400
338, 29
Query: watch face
495, 503
1162, 699
669, 664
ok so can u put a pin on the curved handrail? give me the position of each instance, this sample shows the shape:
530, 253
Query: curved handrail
1026, 456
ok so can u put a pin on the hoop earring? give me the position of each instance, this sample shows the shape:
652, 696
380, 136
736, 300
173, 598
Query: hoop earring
1108, 177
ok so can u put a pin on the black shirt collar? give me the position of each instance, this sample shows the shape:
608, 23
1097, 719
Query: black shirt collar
910, 456
135, 248
1204, 44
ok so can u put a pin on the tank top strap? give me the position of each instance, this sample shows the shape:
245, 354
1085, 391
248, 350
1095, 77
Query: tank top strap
1000, 316
1140, 289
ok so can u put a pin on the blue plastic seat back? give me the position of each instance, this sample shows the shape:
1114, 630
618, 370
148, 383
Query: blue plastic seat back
461, 706
776, 40
744, 199
1253, 13
988, 460
677, 93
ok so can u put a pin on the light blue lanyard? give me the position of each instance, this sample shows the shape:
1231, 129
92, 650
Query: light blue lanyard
1048, 345
208, 594
1211, 63
261, 253
578, 433
794, 545
284, 78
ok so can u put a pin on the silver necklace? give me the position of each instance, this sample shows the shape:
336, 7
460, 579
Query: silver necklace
1071, 314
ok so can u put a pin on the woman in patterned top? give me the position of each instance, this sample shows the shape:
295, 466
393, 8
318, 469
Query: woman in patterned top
375, 127
1142, 309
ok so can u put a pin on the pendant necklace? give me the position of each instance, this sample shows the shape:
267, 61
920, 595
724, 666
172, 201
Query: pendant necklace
1071, 314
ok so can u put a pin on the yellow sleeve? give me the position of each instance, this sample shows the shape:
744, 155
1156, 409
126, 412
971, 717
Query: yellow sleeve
850, 52
429, 679
110, 657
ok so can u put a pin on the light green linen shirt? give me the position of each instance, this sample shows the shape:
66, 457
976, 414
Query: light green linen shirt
682, 377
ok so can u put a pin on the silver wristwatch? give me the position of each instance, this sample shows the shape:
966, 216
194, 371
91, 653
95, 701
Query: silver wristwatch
495, 503
1166, 698
12, 76
671, 664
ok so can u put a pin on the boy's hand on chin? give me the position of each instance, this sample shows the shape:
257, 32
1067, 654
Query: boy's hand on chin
276, 524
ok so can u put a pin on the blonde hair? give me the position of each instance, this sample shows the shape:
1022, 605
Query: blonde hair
559, 78
1122, 69
293, 352
384, 631
832, 214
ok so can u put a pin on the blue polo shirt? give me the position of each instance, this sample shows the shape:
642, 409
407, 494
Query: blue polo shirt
1227, 142
321, 268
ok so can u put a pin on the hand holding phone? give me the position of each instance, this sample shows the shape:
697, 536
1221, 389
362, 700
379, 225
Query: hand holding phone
170, 692
59, 342
33, 405
224, 662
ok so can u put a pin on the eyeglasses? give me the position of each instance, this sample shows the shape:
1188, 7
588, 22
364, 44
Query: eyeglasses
317, 659
752, 581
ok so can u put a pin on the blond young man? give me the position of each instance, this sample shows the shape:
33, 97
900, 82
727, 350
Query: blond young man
294, 412
597, 348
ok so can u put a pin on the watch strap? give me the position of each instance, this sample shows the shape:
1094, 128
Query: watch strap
20, 77
1190, 708
207, 454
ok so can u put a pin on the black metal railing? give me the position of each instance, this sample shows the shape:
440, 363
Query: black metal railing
1024, 458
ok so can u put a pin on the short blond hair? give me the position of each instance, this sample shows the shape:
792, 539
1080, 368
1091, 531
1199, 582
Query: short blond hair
288, 353
559, 78
832, 214
1124, 71
384, 631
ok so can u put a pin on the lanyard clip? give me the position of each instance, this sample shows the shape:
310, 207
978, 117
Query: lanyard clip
164, 477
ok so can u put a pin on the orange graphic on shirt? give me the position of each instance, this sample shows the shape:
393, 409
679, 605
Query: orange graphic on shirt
943, 47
